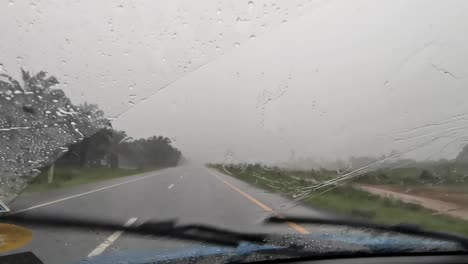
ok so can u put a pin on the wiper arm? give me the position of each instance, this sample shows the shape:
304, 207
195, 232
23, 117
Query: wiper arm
192, 232
406, 229
198, 233
169, 229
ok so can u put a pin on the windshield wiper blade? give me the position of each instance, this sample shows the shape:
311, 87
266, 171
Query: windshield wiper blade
169, 229
198, 233
406, 229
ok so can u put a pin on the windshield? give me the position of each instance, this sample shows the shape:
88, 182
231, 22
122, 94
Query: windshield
224, 113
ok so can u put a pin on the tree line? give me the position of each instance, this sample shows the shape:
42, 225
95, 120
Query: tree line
113, 149
40, 125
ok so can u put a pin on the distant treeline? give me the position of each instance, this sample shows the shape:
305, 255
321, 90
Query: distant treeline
40, 126
366, 170
114, 149
391, 160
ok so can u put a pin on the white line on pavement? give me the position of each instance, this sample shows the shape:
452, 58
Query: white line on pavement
85, 193
111, 239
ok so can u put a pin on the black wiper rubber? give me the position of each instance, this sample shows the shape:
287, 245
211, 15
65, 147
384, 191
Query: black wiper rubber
168, 229
198, 233
399, 228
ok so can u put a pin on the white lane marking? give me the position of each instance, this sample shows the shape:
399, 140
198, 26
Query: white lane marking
85, 193
111, 239
170, 186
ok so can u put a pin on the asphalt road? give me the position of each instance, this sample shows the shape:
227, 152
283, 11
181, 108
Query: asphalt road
191, 194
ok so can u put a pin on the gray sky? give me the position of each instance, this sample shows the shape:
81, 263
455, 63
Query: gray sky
258, 80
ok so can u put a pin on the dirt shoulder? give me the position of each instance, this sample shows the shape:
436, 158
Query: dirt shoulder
459, 210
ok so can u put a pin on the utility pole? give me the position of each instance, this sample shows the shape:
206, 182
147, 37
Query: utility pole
50, 174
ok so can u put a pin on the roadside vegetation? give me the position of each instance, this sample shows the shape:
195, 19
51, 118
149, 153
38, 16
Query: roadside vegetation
348, 200
50, 142
68, 177
106, 154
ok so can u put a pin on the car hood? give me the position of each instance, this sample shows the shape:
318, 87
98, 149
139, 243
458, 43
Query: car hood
317, 244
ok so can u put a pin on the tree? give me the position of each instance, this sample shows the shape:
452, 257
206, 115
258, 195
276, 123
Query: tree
462, 157
92, 111
38, 121
155, 151
38, 83
115, 139
426, 176
103, 145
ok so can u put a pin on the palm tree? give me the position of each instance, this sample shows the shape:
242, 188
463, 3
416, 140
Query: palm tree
38, 83
115, 139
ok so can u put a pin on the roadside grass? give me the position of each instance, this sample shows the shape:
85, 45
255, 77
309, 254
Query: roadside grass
347, 200
450, 174
344, 200
72, 176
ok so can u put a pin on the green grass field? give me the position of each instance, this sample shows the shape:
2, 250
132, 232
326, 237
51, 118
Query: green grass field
69, 176
344, 200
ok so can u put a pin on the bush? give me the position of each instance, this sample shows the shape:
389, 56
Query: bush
426, 176
366, 214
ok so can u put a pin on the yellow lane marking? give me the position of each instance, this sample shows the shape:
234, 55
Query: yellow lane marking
298, 228
257, 202
293, 225
13, 237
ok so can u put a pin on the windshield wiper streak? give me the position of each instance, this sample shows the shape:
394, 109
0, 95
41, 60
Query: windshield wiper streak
406, 229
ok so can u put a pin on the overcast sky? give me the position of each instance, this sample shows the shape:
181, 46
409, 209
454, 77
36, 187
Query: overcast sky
258, 80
